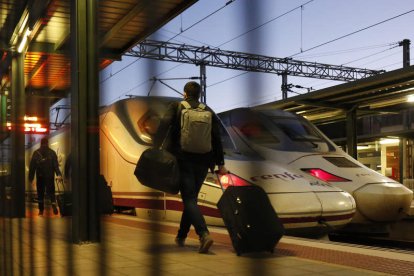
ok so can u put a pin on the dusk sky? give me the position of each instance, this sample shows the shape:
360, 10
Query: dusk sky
355, 33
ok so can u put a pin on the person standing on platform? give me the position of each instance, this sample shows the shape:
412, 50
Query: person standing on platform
193, 160
45, 165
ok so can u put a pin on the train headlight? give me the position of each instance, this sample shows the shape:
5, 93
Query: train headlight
324, 175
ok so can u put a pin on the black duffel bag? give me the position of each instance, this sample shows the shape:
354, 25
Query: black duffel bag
158, 169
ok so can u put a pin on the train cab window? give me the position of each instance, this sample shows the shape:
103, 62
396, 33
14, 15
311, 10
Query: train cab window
296, 130
226, 140
302, 134
253, 128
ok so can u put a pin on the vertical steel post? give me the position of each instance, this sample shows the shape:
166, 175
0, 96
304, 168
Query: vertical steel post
85, 121
17, 137
351, 132
284, 86
401, 155
406, 52
203, 83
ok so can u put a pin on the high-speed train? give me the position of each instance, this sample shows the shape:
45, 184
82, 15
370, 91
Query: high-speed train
281, 137
312, 184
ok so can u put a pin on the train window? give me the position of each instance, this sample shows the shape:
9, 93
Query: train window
225, 139
296, 130
254, 128
147, 126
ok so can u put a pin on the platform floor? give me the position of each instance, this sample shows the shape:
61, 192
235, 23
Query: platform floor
411, 211
131, 246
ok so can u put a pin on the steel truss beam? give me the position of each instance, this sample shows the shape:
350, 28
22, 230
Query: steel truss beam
246, 62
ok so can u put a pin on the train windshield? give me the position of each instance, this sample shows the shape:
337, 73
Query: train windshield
279, 130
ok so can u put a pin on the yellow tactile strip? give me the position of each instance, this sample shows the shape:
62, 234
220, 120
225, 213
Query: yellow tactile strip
356, 260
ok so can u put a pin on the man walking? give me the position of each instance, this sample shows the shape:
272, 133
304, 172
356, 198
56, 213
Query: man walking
44, 163
197, 147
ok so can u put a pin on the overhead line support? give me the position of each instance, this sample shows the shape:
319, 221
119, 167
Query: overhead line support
246, 62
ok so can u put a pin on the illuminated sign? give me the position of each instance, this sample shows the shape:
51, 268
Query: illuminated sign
31, 125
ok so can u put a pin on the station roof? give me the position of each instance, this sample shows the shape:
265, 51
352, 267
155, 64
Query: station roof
379, 94
121, 23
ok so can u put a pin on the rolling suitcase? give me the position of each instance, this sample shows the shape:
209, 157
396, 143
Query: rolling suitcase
64, 200
250, 219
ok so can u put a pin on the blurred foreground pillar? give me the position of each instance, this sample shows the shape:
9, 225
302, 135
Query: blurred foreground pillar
84, 120
17, 138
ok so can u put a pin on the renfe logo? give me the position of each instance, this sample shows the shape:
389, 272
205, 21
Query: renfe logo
284, 176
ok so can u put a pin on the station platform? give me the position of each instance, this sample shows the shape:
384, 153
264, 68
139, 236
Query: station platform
411, 211
131, 246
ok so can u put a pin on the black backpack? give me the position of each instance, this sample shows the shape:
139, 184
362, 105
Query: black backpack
44, 166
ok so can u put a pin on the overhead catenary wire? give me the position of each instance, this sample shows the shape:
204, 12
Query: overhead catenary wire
265, 23
182, 31
204, 18
352, 33
238, 36
233, 77
302, 51
333, 40
345, 51
395, 45
371, 55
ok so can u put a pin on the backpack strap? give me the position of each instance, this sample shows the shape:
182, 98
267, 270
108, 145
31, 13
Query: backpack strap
186, 104
38, 153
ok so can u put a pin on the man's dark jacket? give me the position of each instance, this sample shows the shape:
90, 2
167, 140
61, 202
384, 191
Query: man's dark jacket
52, 165
172, 117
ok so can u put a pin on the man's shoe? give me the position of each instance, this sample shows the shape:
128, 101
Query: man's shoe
205, 243
180, 241
55, 210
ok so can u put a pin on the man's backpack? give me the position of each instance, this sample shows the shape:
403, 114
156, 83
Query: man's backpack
44, 165
195, 134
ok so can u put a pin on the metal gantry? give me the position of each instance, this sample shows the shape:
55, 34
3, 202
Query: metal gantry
206, 56
247, 62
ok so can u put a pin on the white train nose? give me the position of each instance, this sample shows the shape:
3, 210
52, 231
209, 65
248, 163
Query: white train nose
383, 202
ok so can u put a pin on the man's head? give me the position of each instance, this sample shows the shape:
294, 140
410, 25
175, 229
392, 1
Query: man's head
44, 142
192, 90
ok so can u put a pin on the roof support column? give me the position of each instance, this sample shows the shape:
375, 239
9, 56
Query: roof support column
285, 88
203, 82
17, 137
406, 52
351, 132
84, 121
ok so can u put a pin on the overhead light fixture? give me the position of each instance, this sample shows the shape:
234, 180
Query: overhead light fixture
363, 147
24, 24
23, 42
410, 98
388, 141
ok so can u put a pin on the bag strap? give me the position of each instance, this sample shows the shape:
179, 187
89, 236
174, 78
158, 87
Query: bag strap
202, 106
170, 126
186, 104
165, 138
38, 152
